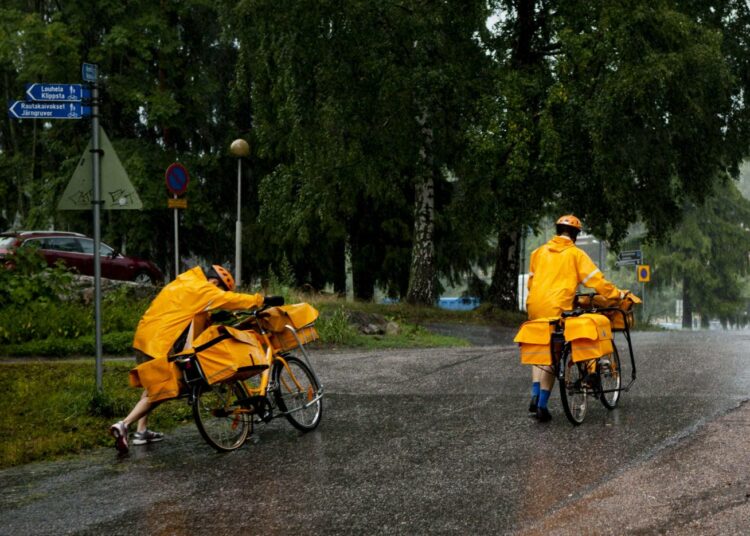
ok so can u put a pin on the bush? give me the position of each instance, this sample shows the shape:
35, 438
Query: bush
118, 343
42, 320
334, 328
26, 278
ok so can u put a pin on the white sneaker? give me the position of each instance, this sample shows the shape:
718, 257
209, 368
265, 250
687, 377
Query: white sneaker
148, 436
120, 432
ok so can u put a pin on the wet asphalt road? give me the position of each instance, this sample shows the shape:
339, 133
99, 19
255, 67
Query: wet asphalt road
412, 442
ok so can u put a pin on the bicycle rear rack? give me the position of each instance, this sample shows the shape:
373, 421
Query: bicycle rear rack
306, 356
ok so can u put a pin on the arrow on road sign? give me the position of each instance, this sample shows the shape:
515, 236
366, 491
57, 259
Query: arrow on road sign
57, 92
47, 110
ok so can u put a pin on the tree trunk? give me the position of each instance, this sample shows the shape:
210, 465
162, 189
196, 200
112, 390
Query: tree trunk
687, 304
363, 276
339, 268
422, 286
422, 274
503, 290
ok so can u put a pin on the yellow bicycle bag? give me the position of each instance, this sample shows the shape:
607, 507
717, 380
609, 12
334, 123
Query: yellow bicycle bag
301, 316
160, 378
225, 353
534, 340
590, 336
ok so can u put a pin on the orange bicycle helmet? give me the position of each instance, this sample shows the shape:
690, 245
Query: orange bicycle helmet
224, 275
570, 221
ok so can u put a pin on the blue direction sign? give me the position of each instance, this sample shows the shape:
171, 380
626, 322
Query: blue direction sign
57, 92
89, 72
47, 110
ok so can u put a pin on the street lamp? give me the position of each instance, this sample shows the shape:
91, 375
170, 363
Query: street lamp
239, 148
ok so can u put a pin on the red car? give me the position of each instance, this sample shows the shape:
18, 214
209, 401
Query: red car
77, 252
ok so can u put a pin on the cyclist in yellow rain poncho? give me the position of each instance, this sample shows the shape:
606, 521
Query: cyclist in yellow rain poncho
175, 317
556, 269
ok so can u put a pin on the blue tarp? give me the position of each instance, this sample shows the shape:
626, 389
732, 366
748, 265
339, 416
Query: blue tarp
467, 303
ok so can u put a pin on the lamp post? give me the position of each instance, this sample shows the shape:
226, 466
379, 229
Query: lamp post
239, 148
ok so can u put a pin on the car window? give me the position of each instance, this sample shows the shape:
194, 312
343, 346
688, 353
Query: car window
87, 245
32, 242
63, 243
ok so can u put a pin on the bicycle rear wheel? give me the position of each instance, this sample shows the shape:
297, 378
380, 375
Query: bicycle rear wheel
610, 377
222, 421
297, 393
573, 392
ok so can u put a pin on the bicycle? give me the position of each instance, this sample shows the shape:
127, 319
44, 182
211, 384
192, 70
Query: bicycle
600, 377
587, 362
285, 384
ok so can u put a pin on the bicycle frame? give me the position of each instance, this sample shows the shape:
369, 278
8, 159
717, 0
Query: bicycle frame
271, 358
251, 323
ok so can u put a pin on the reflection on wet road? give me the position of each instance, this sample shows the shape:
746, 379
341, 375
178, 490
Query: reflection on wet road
412, 441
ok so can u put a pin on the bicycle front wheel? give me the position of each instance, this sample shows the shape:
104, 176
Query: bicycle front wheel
572, 389
297, 393
221, 419
611, 378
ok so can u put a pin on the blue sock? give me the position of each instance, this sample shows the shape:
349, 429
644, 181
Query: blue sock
535, 388
543, 397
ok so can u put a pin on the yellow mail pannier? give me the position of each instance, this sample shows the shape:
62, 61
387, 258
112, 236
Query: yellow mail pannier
225, 354
590, 336
534, 339
160, 378
301, 316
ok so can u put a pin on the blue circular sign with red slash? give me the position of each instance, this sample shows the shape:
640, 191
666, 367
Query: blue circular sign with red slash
177, 178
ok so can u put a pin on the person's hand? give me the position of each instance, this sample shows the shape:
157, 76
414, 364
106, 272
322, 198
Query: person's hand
272, 301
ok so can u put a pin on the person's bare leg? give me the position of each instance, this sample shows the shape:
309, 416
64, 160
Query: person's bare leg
140, 412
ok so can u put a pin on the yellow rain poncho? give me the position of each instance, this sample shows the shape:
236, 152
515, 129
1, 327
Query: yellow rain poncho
189, 297
557, 268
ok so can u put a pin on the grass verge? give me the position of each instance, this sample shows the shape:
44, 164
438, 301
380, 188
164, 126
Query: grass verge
53, 408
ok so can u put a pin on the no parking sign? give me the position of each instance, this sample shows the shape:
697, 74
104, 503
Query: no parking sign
177, 178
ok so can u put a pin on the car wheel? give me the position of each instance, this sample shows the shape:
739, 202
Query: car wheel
143, 278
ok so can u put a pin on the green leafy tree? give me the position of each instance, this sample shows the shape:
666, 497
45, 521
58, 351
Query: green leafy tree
617, 112
360, 106
167, 94
708, 257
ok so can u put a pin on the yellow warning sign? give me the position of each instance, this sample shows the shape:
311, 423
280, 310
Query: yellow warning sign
117, 191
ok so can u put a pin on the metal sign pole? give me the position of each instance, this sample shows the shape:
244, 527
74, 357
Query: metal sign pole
96, 177
176, 242
239, 148
238, 228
